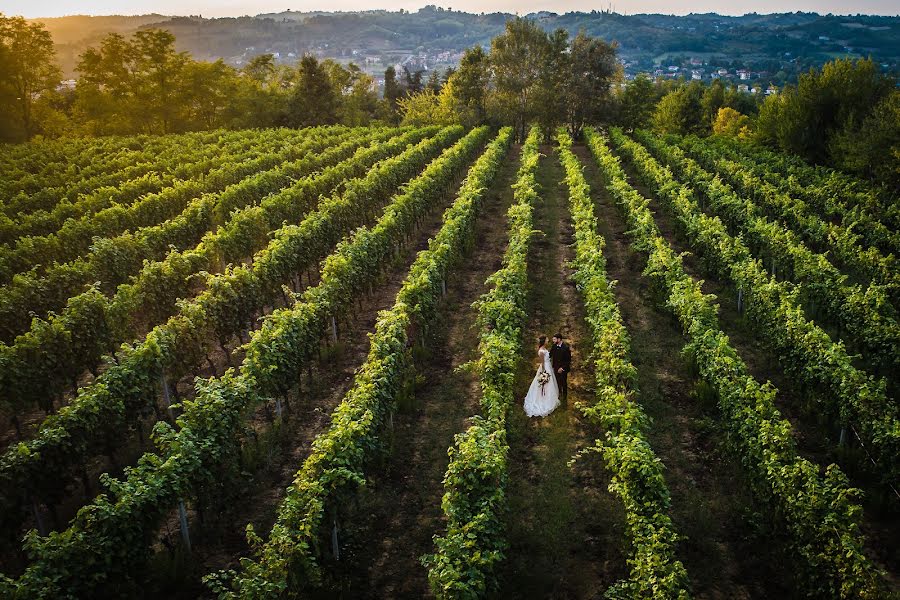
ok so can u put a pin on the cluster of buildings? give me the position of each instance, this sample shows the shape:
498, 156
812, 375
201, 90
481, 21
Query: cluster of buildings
746, 80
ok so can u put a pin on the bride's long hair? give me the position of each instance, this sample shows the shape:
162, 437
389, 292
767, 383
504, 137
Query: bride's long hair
542, 341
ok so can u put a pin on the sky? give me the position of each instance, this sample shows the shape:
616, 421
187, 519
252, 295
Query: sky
226, 8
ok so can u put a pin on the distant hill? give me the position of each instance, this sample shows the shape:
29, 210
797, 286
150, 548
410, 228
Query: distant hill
782, 44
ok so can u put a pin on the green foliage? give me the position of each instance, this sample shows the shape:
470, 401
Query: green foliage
428, 108
871, 146
590, 68
731, 123
637, 473
681, 111
107, 408
865, 314
820, 513
636, 103
467, 556
804, 119
27, 70
469, 85
287, 562
314, 100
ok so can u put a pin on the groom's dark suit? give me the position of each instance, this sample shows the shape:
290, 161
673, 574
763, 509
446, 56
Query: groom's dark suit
561, 357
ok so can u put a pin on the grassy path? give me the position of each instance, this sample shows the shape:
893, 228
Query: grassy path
401, 510
565, 529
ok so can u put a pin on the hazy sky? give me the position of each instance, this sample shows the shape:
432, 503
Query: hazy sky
220, 8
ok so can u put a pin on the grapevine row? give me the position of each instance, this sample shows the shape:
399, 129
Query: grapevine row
92, 324
820, 514
751, 178
114, 260
806, 349
288, 560
128, 391
869, 263
208, 437
865, 314
467, 555
76, 237
126, 187
636, 471
110, 172
821, 184
23, 181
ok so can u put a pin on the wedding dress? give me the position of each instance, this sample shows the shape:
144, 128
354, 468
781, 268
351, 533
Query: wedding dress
542, 400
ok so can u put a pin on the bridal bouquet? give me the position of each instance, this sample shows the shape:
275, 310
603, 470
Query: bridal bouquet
543, 377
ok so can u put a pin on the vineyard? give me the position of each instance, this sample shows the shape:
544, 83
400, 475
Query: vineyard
291, 363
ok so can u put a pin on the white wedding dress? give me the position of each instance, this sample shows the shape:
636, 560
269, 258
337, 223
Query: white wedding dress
541, 402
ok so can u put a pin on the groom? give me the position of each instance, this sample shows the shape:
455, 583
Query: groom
561, 358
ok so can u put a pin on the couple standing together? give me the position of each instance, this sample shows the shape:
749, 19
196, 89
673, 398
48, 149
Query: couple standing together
551, 381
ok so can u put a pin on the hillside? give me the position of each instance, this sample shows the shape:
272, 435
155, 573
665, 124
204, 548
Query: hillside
779, 45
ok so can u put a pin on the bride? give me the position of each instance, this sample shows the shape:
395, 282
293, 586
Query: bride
543, 395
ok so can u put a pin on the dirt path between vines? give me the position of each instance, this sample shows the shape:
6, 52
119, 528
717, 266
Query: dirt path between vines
401, 510
283, 449
566, 531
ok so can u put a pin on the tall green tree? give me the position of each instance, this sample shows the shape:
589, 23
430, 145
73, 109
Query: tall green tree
517, 56
392, 93
871, 147
260, 95
135, 85
469, 87
27, 70
637, 102
592, 71
551, 96
314, 99
681, 111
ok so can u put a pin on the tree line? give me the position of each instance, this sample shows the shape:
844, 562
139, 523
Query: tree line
142, 84
845, 115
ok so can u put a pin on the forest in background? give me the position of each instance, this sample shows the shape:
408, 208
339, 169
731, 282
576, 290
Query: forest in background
845, 115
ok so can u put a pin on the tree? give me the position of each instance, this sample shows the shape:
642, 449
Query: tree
314, 100
681, 111
207, 93
356, 97
552, 93
713, 99
412, 81
27, 70
871, 148
434, 83
469, 87
593, 69
637, 102
260, 94
428, 108
802, 119
392, 91
158, 68
261, 68
132, 85
731, 123
516, 58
